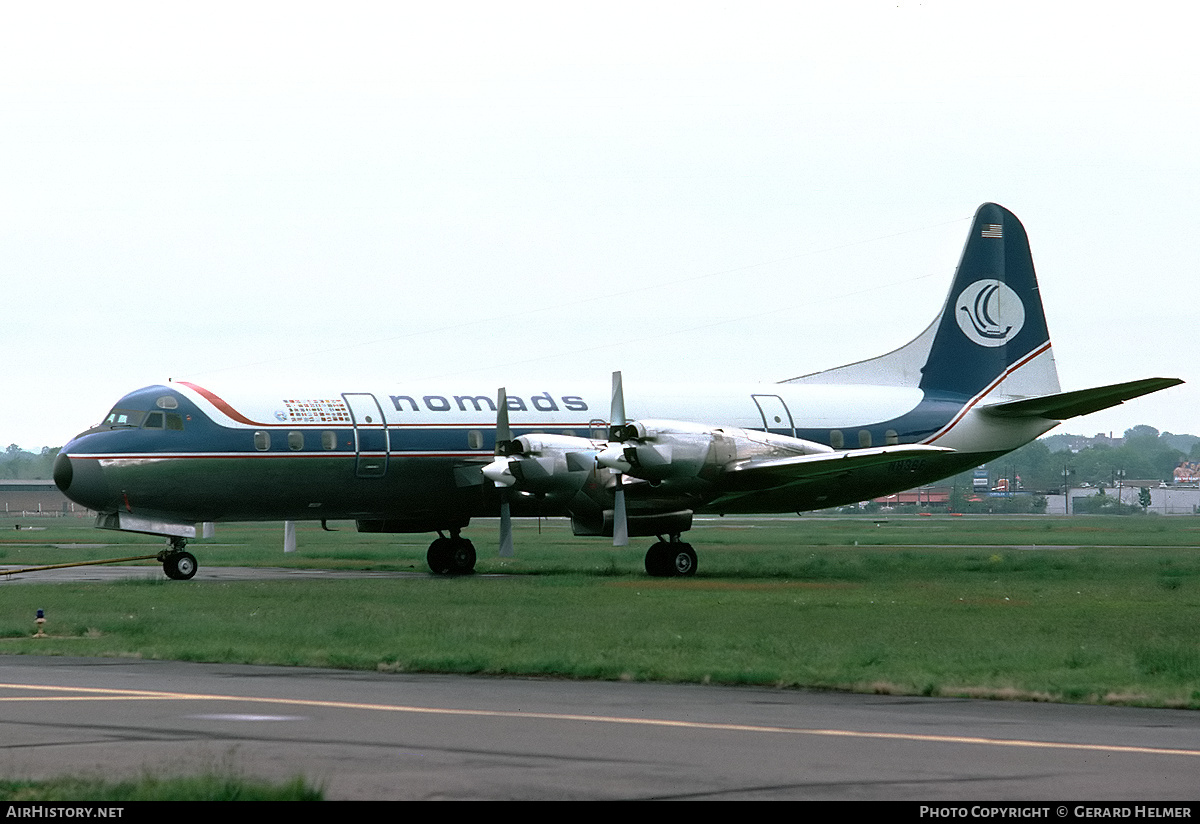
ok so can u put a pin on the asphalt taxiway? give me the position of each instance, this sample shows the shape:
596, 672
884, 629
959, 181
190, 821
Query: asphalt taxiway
405, 736
125, 572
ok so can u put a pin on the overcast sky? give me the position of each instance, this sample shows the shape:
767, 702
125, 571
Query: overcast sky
360, 195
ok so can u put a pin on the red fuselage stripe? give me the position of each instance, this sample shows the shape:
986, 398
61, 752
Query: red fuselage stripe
1003, 377
220, 403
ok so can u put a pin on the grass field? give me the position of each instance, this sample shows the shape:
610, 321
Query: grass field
204, 787
1089, 609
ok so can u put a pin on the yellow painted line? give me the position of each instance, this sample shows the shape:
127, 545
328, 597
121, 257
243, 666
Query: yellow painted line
101, 694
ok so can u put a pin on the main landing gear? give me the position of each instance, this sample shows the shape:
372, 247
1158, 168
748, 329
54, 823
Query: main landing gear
451, 556
671, 558
179, 565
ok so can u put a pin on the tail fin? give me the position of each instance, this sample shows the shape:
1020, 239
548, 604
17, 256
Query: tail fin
991, 334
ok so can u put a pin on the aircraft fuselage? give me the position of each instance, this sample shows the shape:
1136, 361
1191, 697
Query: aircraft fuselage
414, 455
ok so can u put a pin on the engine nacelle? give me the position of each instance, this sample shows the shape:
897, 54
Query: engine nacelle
659, 523
543, 464
659, 450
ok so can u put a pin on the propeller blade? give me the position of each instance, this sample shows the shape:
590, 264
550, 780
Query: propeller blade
504, 434
506, 535
620, 521
617, 408
617, 419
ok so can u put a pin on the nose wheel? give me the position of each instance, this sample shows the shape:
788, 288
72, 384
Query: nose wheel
178, 564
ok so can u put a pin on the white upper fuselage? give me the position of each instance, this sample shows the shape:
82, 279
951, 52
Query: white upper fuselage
842, 416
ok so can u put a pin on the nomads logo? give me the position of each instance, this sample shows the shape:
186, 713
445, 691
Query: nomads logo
990, 313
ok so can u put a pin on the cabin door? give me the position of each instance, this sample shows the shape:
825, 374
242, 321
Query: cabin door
775, 415
370, 435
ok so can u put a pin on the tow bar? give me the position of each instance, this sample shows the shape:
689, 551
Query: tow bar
156, 556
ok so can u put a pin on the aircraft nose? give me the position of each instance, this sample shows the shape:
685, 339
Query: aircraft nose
81, 481
63, 472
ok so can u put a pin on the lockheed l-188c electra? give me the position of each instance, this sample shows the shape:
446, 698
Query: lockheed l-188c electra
980, 381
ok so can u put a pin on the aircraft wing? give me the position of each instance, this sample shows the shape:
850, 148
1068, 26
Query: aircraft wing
768, 472
1062, 405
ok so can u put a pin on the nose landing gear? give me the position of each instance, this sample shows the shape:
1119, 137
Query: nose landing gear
178, 564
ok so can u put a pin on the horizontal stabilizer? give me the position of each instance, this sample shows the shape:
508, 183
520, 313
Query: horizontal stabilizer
1062, 405
772, 471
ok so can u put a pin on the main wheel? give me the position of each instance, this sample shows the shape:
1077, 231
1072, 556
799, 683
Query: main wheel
682, 559
658, 560
451, 556
670, 559
462, 557
439, 556
180, 566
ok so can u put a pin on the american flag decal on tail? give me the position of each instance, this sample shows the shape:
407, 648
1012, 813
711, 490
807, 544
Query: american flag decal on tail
993, 230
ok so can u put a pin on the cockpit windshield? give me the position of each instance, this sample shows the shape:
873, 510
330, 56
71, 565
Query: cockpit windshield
157, 412
124, 417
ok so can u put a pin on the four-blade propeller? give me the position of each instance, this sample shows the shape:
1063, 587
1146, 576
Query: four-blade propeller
512, 469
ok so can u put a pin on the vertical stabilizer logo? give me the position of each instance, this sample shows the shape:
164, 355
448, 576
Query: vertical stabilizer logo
989, 313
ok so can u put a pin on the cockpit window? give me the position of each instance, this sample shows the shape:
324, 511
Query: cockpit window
164, 420
124, 417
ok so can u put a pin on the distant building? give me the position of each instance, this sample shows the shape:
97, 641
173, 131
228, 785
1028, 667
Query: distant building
925, 496
25, 498
1164, 500
1076, 443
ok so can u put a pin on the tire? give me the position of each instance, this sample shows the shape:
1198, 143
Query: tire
439, 556
451, 556
658, 560
682, 560
180, 566
462, 557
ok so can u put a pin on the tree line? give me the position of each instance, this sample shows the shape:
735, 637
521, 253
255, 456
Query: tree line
1145, 454
18, 464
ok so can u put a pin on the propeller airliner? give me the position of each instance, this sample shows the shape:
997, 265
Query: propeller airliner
980, 381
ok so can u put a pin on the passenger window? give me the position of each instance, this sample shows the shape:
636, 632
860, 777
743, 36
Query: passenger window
864, 438
329, 440
175, 422
892, 437
262, 441
153, 421
836, 439
475, 439
295, 441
